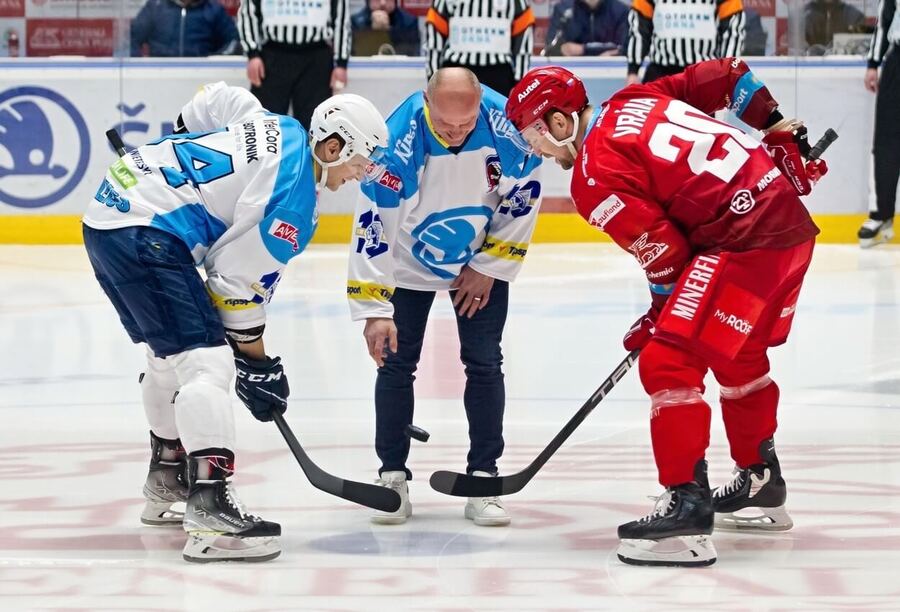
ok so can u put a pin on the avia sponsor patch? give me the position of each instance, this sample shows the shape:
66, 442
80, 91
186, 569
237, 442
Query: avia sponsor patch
285, 231
742, 202
606, 210
391, 181
647, 252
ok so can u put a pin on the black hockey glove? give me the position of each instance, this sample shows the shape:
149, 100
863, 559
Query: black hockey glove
262, 385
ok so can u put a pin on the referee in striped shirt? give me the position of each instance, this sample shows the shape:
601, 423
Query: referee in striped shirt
297, 52
678, 33
884, 52
492, 38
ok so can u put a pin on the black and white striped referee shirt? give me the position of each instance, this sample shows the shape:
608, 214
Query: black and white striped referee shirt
887, 32
479, 33
296, 22
683, 32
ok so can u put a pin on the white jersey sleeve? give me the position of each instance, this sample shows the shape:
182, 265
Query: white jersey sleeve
218, 105
371, 281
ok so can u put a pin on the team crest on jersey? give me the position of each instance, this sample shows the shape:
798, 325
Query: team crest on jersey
647, 252
370, 235
492, 171
742, 202
391, 181
285, 231
520, 200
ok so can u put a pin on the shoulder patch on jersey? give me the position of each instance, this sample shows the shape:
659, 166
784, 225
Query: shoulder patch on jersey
520, 199
370, 233
285, 231
493, 171
606, 210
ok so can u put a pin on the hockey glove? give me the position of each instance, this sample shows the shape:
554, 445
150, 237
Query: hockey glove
643, 329
262, 385
788, 144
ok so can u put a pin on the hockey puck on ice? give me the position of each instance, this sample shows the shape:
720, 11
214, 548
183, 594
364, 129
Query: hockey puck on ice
417, 433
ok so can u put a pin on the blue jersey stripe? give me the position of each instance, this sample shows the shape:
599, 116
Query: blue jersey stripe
192, 223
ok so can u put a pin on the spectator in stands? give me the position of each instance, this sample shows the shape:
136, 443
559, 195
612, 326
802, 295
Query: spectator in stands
385, 16
755, 34
825, 18
183, 28
588, 27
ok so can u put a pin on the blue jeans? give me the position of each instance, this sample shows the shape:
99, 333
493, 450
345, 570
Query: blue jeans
485, 395
150, 277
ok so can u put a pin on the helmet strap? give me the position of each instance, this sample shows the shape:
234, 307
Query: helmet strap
568, 140
323, 165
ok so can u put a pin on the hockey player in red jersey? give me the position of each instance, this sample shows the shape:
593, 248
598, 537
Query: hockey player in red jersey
714, 219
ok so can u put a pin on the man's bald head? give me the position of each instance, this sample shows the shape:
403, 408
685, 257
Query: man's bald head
453, 96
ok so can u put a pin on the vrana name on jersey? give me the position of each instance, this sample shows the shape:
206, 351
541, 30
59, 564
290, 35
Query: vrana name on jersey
631, 117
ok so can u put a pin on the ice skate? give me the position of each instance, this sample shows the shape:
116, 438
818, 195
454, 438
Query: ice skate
677, 532
486, 511
874, 232
754, 499
218, 526
166, 483
397, 482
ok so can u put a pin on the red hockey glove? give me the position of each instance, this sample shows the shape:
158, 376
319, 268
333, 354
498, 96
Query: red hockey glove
786, 153
643, 329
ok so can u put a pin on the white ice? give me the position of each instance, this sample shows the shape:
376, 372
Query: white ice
73, 454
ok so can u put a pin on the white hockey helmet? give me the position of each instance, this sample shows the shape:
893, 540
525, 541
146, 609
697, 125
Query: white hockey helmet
359, 125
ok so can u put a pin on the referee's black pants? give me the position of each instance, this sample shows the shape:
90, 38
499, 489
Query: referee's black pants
297, 76
886, 143
658, 71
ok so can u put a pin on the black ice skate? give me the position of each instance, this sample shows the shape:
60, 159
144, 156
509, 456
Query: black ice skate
754, 499
875, 232
166, 482
219, 529
677, 532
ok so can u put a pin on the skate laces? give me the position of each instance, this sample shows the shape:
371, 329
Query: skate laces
237, 504
663, 504
730, 487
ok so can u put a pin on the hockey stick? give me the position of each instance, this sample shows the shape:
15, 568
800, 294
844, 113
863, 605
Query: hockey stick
464, 485
116, 141
364, 494
822, 144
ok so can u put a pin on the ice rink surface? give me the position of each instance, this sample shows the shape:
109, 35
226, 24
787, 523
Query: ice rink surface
74, 452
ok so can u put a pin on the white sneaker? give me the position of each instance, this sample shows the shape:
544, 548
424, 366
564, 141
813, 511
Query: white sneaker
397, 482
486, 511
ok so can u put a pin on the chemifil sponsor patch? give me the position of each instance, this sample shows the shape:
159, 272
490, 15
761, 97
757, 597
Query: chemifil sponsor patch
606, 210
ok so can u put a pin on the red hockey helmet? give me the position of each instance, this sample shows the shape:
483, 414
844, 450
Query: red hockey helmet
542, 90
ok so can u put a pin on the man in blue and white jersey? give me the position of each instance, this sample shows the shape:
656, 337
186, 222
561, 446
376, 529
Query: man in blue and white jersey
233, 191
453, 210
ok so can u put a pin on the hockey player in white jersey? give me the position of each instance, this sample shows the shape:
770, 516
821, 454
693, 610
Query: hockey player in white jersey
453, 210
234, 191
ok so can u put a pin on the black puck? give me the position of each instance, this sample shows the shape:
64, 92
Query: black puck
417, 433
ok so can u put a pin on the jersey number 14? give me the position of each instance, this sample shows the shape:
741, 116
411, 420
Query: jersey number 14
690, 125
199, 165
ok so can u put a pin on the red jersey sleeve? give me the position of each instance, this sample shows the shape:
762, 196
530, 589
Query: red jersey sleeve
722, 83
635, 224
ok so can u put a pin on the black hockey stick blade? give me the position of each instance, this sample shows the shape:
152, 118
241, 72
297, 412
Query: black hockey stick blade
364, 494
465, 485
116, 141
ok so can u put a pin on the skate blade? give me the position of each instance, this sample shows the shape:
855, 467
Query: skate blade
207, 547
161, 514
882, 238
679, 551
755, 519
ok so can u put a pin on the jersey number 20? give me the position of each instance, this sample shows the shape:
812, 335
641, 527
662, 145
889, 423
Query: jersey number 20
688, 124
